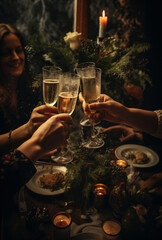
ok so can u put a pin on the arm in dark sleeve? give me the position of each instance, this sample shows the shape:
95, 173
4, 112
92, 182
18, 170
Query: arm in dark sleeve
15, 171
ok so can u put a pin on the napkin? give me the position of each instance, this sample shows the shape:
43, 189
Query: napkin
90, 230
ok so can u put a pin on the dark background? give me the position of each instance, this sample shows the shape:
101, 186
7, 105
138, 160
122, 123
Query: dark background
137, 20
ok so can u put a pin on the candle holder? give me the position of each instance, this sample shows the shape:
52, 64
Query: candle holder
121, 163
100, 191
62, 224
111, 230
99, 40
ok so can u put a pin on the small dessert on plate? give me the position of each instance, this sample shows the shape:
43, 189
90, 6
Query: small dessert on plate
136, 157
52, 181
140, 158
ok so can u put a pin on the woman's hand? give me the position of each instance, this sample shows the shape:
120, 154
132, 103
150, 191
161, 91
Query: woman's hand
49, 136
107, 109
39, 115
152, 182
84, 105
127, 133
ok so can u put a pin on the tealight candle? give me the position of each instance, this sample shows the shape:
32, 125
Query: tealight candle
111, 229
121, 163
100, 191
61, 224
102, 25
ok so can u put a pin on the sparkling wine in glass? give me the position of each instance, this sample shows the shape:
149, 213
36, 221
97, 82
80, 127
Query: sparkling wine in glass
51, 80
85, 122
81, 66
80, 69
91, 89
69, 87
66, 102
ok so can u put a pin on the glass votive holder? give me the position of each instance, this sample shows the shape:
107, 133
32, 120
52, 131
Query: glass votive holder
121, 163
111, 230
100, 192
62, 224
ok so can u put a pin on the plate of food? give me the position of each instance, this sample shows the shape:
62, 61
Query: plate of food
45, 182
137, 155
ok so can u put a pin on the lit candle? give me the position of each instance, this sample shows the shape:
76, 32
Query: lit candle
61, 221
61, 224
111, 229
102, 25
121, 163
100, 191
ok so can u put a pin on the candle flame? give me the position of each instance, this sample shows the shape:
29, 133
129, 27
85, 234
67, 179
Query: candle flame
103, 13
121, 163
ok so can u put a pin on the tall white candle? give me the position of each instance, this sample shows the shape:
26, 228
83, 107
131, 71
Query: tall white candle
102, 25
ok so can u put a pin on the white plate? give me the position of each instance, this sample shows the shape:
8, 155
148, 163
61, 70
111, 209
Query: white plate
152, 156
34, 184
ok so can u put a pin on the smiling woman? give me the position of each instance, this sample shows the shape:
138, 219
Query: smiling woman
17, 99
12, 58
15, 83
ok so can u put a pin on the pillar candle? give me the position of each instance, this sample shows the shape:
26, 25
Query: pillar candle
102, 25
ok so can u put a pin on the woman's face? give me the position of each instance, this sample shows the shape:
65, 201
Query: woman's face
12, 57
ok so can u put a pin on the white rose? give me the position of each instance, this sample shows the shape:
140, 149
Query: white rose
73, 39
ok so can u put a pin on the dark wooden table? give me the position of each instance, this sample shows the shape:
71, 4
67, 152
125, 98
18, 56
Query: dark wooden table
15, 226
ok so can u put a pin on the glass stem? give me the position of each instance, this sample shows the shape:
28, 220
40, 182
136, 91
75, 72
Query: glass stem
93, 135
62, 151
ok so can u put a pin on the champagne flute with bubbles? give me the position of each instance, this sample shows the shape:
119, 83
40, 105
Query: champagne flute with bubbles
69, 87
84, 122
51, 80
80, 69
91, 89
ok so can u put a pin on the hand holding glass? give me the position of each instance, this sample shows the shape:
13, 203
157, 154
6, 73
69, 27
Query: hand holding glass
81, 68
51, 80
84, 122
91, 89
69, 87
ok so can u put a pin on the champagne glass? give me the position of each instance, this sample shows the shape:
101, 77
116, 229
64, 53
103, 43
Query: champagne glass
91, 89
85, 122
69, 87
51, 79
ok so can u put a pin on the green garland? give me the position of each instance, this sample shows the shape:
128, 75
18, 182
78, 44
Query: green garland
90, 167
86, 170
120, 65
